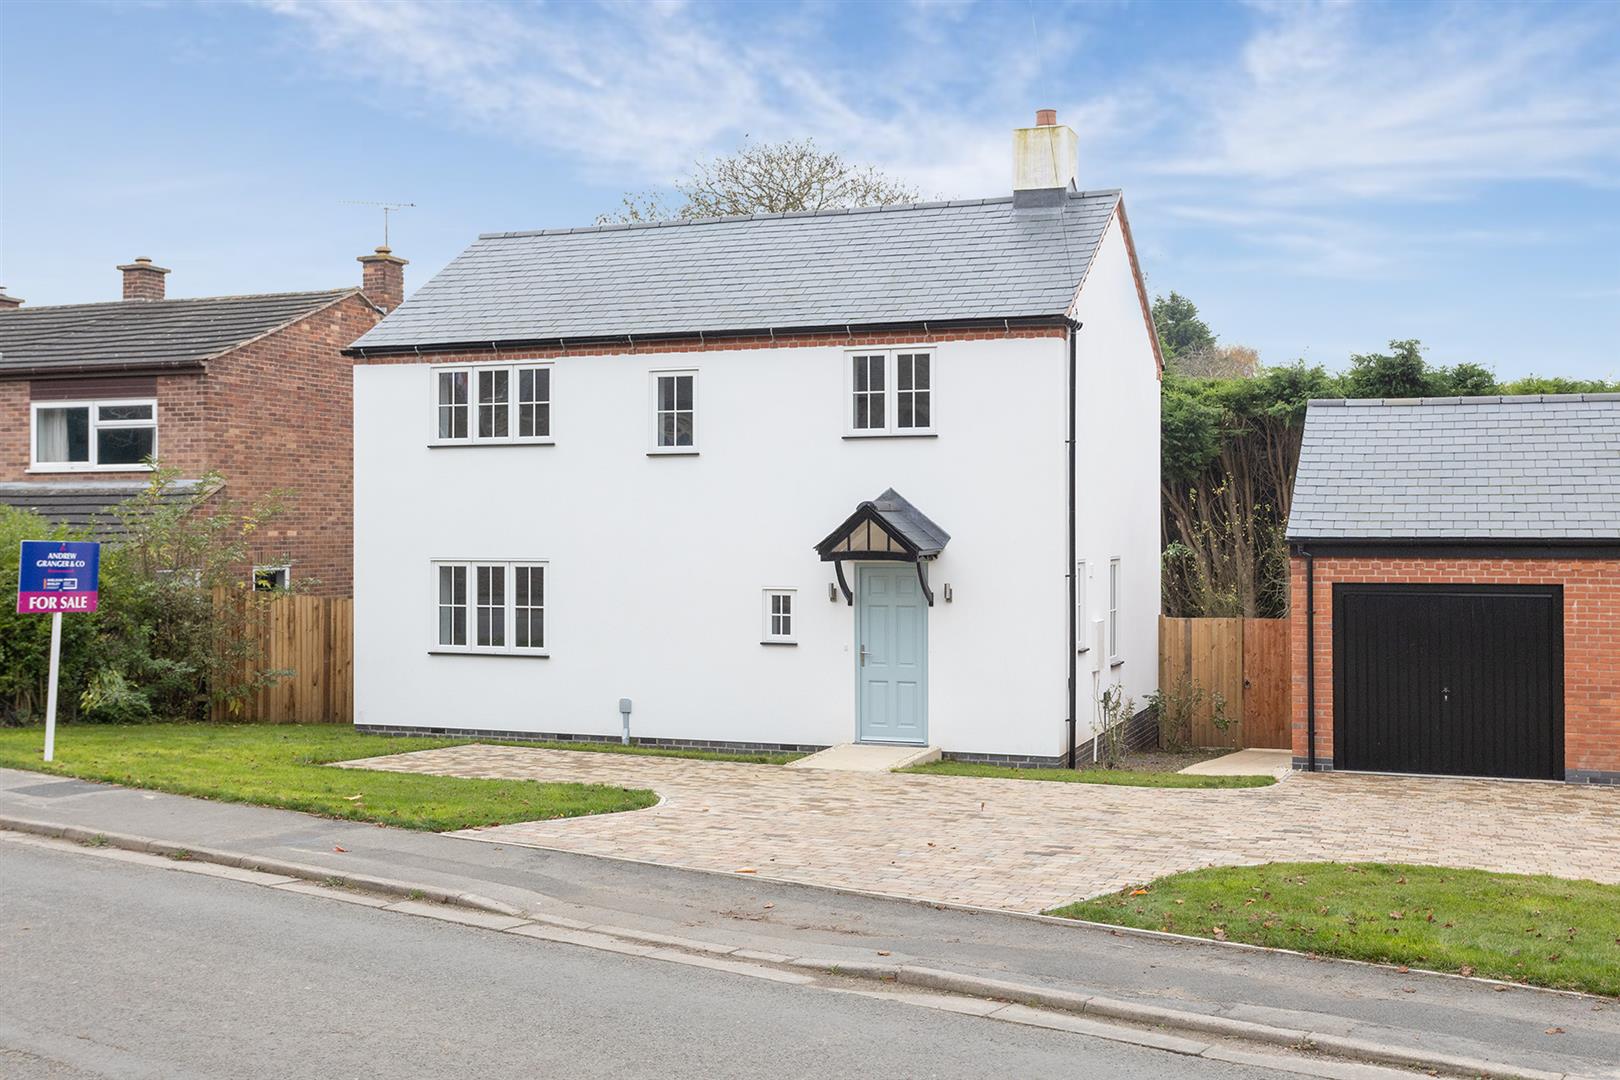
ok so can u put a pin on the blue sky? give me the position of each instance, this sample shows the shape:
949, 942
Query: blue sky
1318, 177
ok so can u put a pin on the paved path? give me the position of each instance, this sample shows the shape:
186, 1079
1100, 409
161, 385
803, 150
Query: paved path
1024, 845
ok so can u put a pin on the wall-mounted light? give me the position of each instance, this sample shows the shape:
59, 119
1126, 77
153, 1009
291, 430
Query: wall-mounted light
948, 592
832, 592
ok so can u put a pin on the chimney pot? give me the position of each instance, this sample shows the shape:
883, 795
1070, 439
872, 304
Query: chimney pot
8, 303
142, 280
1045, 117
382, 278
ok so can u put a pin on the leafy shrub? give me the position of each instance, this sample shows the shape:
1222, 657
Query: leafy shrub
1177, 706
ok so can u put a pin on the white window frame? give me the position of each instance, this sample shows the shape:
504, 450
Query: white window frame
1115, 588
891, 428
284, 569
653, 412
1082, 630
96, 425
474, 373
508, 608
768, 633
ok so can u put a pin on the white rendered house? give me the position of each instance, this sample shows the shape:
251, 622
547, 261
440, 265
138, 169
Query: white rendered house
786, 480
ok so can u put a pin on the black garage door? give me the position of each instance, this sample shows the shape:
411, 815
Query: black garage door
1454, 679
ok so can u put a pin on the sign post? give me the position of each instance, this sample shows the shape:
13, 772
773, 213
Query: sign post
56, 576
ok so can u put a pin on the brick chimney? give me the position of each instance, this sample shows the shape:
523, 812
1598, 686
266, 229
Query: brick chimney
142, 280
1045, 162
383, 278
9, 303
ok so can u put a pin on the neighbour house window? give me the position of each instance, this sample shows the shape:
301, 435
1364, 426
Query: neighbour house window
272, 578
1113, 610
495, 607
492, 404
1082, 632
778, 616
891, 393
94, 434
675, 411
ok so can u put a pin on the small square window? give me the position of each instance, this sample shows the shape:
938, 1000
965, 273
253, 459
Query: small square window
891, 393
272, 578
779, 616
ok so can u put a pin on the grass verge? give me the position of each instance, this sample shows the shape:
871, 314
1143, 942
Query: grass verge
1545, 931
1124, 777
747, 757
281, 766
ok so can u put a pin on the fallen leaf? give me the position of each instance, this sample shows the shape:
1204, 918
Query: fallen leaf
1555, 1031
1139, 892
1500, 989
746, 870
883, 952
769, 905
1397, 915
1220, 933
354, 798
1466, 969
342, 849
1403, 969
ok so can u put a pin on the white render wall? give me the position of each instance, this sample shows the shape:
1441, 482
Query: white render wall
1117, 481
657, 564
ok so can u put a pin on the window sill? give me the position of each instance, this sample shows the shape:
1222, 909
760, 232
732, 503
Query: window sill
891, 435
673, 451
441, 444
792, 643
527, 654
1116, 663
89, 468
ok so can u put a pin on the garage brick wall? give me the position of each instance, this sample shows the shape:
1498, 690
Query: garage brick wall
1591, 643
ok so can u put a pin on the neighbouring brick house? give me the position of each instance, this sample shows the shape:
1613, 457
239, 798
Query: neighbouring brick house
1462, 559
254, 387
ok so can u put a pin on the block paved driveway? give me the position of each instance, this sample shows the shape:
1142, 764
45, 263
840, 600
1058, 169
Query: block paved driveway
1025, 845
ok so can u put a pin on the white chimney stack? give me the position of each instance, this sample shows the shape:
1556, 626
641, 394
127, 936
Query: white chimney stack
1045, 157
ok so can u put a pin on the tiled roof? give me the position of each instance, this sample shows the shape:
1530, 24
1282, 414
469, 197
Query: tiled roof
90, 507
1488, 468
978, 259
157, 333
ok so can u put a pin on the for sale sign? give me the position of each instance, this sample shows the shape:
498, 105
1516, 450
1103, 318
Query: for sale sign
58, 575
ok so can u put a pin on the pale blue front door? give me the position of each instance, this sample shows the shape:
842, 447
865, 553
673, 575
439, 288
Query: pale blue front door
891, 630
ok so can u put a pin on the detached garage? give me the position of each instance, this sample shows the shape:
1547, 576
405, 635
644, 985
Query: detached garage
1456, 587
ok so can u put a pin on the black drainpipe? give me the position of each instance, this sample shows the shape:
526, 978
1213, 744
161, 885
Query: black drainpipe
1310, 659
1074, 643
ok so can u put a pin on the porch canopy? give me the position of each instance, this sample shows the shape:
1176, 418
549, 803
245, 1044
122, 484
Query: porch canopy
886, 528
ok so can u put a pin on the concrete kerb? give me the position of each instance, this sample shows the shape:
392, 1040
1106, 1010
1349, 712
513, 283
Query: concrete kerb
657, 945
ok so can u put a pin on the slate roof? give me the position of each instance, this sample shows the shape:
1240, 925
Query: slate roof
895, 513
146, 333
1490, 468
90, 507
940, 261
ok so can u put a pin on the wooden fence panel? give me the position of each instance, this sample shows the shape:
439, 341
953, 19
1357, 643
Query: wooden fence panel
311, 638
1267, 684
1246, 661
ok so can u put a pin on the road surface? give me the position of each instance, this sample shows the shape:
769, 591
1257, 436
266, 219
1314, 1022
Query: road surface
114, 970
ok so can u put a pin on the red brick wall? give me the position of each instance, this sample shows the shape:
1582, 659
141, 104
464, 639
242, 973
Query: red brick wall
697, 344
1591, 640
181, 408
281, 416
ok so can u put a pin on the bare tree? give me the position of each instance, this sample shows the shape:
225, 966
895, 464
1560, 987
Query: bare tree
767, 178
1217, 362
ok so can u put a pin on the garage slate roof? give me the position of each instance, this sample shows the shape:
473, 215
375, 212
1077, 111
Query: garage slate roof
1543, 467
91, 507
155, 333
976, 259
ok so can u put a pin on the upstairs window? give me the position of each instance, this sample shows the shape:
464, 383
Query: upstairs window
891, 392
675, 411
507, 403
492, 607
94, 434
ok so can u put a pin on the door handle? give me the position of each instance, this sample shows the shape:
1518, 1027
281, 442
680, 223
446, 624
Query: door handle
863, 656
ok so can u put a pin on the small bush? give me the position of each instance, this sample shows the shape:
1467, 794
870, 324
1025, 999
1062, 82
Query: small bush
1177, 706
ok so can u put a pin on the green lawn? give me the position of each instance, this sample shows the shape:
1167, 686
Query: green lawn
1542, 930
748, 757
281, 766
1126, 777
